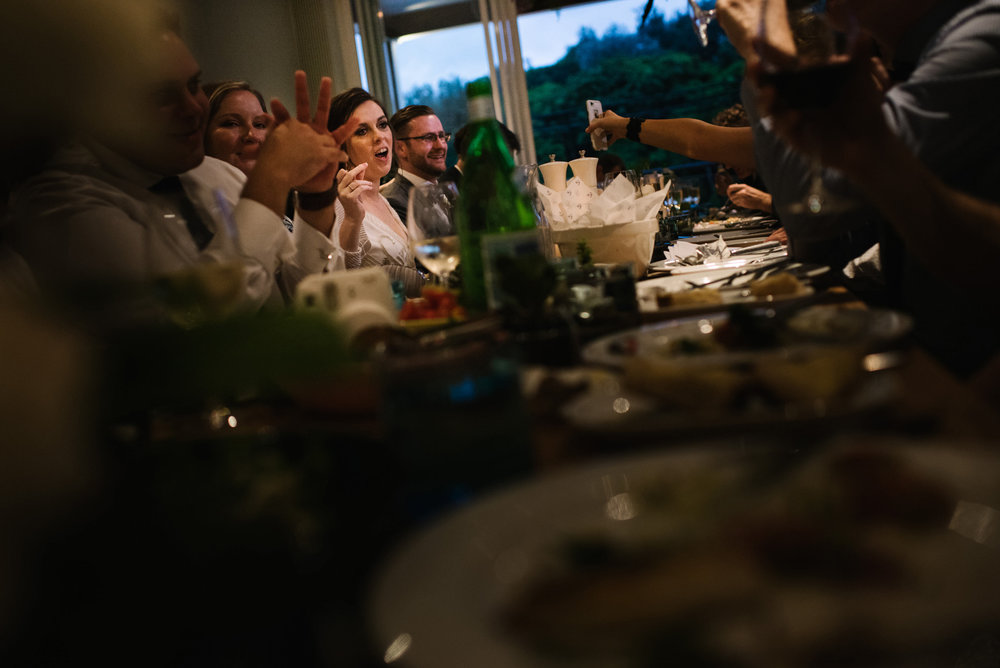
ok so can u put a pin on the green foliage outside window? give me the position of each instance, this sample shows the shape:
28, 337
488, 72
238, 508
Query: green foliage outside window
660, 71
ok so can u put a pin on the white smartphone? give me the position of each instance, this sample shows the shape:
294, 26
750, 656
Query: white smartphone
597, 138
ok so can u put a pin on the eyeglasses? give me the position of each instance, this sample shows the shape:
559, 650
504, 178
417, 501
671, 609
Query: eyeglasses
430, 137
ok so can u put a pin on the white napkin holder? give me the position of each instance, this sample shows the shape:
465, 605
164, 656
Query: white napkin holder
618, 226
616, 244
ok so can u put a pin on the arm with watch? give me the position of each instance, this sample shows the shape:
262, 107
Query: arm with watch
687, 136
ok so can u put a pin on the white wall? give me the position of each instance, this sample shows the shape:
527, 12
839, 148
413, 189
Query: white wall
265, 41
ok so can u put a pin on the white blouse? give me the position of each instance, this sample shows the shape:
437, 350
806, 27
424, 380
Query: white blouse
380, 246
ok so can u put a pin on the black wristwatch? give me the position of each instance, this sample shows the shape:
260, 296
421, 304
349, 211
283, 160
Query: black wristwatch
634, 127
316, 201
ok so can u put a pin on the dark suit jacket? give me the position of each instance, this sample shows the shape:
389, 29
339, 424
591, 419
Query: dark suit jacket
451, 174
397, 192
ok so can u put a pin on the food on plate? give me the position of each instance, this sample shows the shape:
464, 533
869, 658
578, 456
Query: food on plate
687, 386
810, 374
833, 558
692, 297
835, 322
781, 283
434, 303
751, 356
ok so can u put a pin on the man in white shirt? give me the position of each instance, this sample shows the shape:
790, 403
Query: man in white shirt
136, 197
420, 145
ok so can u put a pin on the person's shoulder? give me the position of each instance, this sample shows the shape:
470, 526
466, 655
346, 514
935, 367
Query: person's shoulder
397, 190
69, 162
72, 176
394, 184
211, 177
215, 169
451, 174
977, 22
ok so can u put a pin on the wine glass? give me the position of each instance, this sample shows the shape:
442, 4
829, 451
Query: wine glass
700, 20
526, 177
673, 200
690, 197
193, 286
431, 224
805, 56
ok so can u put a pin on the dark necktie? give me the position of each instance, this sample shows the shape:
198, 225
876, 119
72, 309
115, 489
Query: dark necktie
171, 189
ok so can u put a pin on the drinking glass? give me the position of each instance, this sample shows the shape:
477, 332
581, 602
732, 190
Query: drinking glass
192, 287
805, 55
690, 197
431, 224
700, 20
673, 200
632, 175
526, 177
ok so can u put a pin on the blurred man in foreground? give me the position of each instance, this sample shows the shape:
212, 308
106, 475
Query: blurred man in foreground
134, 197
946, 62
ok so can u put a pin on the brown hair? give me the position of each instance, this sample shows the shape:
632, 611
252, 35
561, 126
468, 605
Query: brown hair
402, 118
217, 92
344, 104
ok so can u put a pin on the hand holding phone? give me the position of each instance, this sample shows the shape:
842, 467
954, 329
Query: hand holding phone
598, 138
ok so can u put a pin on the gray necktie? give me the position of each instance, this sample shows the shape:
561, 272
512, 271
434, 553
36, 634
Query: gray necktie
170, 188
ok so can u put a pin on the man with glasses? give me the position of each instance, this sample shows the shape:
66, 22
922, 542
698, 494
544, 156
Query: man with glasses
421, 146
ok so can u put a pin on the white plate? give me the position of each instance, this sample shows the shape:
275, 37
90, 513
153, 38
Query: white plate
438, 596
733, 223
809, 326
609, 407
439, 601
648, 291
734, 262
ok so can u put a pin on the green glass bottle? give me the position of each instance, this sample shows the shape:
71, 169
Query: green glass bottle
493, 216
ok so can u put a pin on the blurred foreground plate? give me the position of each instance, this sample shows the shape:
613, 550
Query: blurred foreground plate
832, 325
752, 368
861, 554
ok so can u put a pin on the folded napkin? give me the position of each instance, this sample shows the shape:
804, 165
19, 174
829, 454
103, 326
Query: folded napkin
580, 206
685, 252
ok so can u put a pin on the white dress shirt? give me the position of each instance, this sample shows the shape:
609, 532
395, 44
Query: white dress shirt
90, 217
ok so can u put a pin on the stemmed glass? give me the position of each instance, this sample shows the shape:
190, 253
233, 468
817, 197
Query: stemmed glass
431, 224
690, 198
805, 56
193, 287
673, 200
700, 20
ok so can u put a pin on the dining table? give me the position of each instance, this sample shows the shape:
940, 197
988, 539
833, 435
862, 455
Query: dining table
447, 499
615, 545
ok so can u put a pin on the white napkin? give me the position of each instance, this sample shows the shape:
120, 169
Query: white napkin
552, 203
647, 205
686, 252
577, 201
580, 206
619, 189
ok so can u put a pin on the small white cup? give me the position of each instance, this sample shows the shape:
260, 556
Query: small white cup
554, 174
586, 170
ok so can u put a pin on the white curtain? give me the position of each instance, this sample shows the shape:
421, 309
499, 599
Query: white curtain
510, 88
